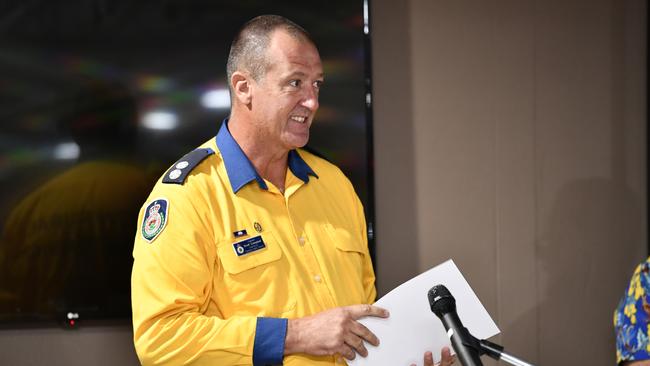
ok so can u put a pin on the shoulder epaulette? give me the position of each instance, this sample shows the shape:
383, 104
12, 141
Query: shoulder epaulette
182, 168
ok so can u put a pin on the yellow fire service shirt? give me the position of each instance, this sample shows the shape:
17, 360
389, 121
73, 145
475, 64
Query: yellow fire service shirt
223, 258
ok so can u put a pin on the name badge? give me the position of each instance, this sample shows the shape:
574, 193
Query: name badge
249, 245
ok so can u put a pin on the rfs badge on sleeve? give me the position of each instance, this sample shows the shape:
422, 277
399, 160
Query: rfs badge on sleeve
155, 219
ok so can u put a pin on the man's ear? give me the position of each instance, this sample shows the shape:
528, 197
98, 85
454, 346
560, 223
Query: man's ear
241, 86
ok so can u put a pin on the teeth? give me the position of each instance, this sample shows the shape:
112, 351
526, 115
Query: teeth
299, 119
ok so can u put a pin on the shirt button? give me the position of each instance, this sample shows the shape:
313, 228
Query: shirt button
317, 278
301, 240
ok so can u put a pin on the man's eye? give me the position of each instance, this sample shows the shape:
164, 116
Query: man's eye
318, 84
294, 83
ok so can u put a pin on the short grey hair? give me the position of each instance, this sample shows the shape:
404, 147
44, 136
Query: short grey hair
248, 48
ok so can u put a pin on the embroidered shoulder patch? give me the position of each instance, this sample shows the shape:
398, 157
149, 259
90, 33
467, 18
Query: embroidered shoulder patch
155, 219
182, 168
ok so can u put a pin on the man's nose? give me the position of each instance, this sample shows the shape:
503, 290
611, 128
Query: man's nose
310, 99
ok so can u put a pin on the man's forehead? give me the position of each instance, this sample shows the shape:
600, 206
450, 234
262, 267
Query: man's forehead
283, 35
297, 69
293, 46
294, 55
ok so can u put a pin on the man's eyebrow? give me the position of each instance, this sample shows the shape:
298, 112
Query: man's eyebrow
300, 73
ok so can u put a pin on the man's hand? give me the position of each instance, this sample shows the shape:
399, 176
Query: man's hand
334, 331
446, 358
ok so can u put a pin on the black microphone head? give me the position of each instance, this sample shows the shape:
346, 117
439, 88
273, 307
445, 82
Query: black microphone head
441, 301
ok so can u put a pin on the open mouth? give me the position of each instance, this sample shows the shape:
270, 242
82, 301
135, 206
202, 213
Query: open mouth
299, 119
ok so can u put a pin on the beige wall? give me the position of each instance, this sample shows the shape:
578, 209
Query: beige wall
97, 346
517, 129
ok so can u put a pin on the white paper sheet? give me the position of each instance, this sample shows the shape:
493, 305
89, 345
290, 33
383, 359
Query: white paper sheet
413, 329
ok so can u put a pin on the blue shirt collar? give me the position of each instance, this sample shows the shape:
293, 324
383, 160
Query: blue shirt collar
240, 169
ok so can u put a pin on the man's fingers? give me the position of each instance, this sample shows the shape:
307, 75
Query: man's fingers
428, 358
446, 353
357, 344
446, 358
348, 352
365, 333
359, 311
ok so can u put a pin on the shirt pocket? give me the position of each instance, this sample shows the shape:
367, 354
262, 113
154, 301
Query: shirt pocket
351, 258
256, 283
345, 241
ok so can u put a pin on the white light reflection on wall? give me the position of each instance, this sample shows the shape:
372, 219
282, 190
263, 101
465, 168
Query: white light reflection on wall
160, 120
66, 151
216, 99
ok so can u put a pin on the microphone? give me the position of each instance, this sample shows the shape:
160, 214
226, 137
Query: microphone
466, 346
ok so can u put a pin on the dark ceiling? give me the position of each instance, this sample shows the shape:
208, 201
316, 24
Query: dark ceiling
46, 45
167, 20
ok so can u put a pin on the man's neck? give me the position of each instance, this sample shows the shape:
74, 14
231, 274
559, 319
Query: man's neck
269, 161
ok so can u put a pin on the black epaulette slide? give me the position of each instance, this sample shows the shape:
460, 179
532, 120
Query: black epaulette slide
182, 168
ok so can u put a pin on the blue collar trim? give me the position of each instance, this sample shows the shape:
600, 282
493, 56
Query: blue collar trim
299, 167
240, 169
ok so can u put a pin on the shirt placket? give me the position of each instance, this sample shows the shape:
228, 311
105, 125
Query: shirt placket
306, 250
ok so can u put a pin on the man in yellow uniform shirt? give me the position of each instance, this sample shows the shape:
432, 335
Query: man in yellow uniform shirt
251, 250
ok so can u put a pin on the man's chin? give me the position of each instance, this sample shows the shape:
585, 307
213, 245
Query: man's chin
297, 141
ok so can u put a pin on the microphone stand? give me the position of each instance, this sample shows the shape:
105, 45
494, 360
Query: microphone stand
495, 351
474, 348
468, 348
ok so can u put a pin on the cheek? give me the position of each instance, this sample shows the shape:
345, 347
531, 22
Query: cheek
278, 108
285, 106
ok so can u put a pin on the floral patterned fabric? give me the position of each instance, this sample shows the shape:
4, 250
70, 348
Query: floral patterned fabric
632, 318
